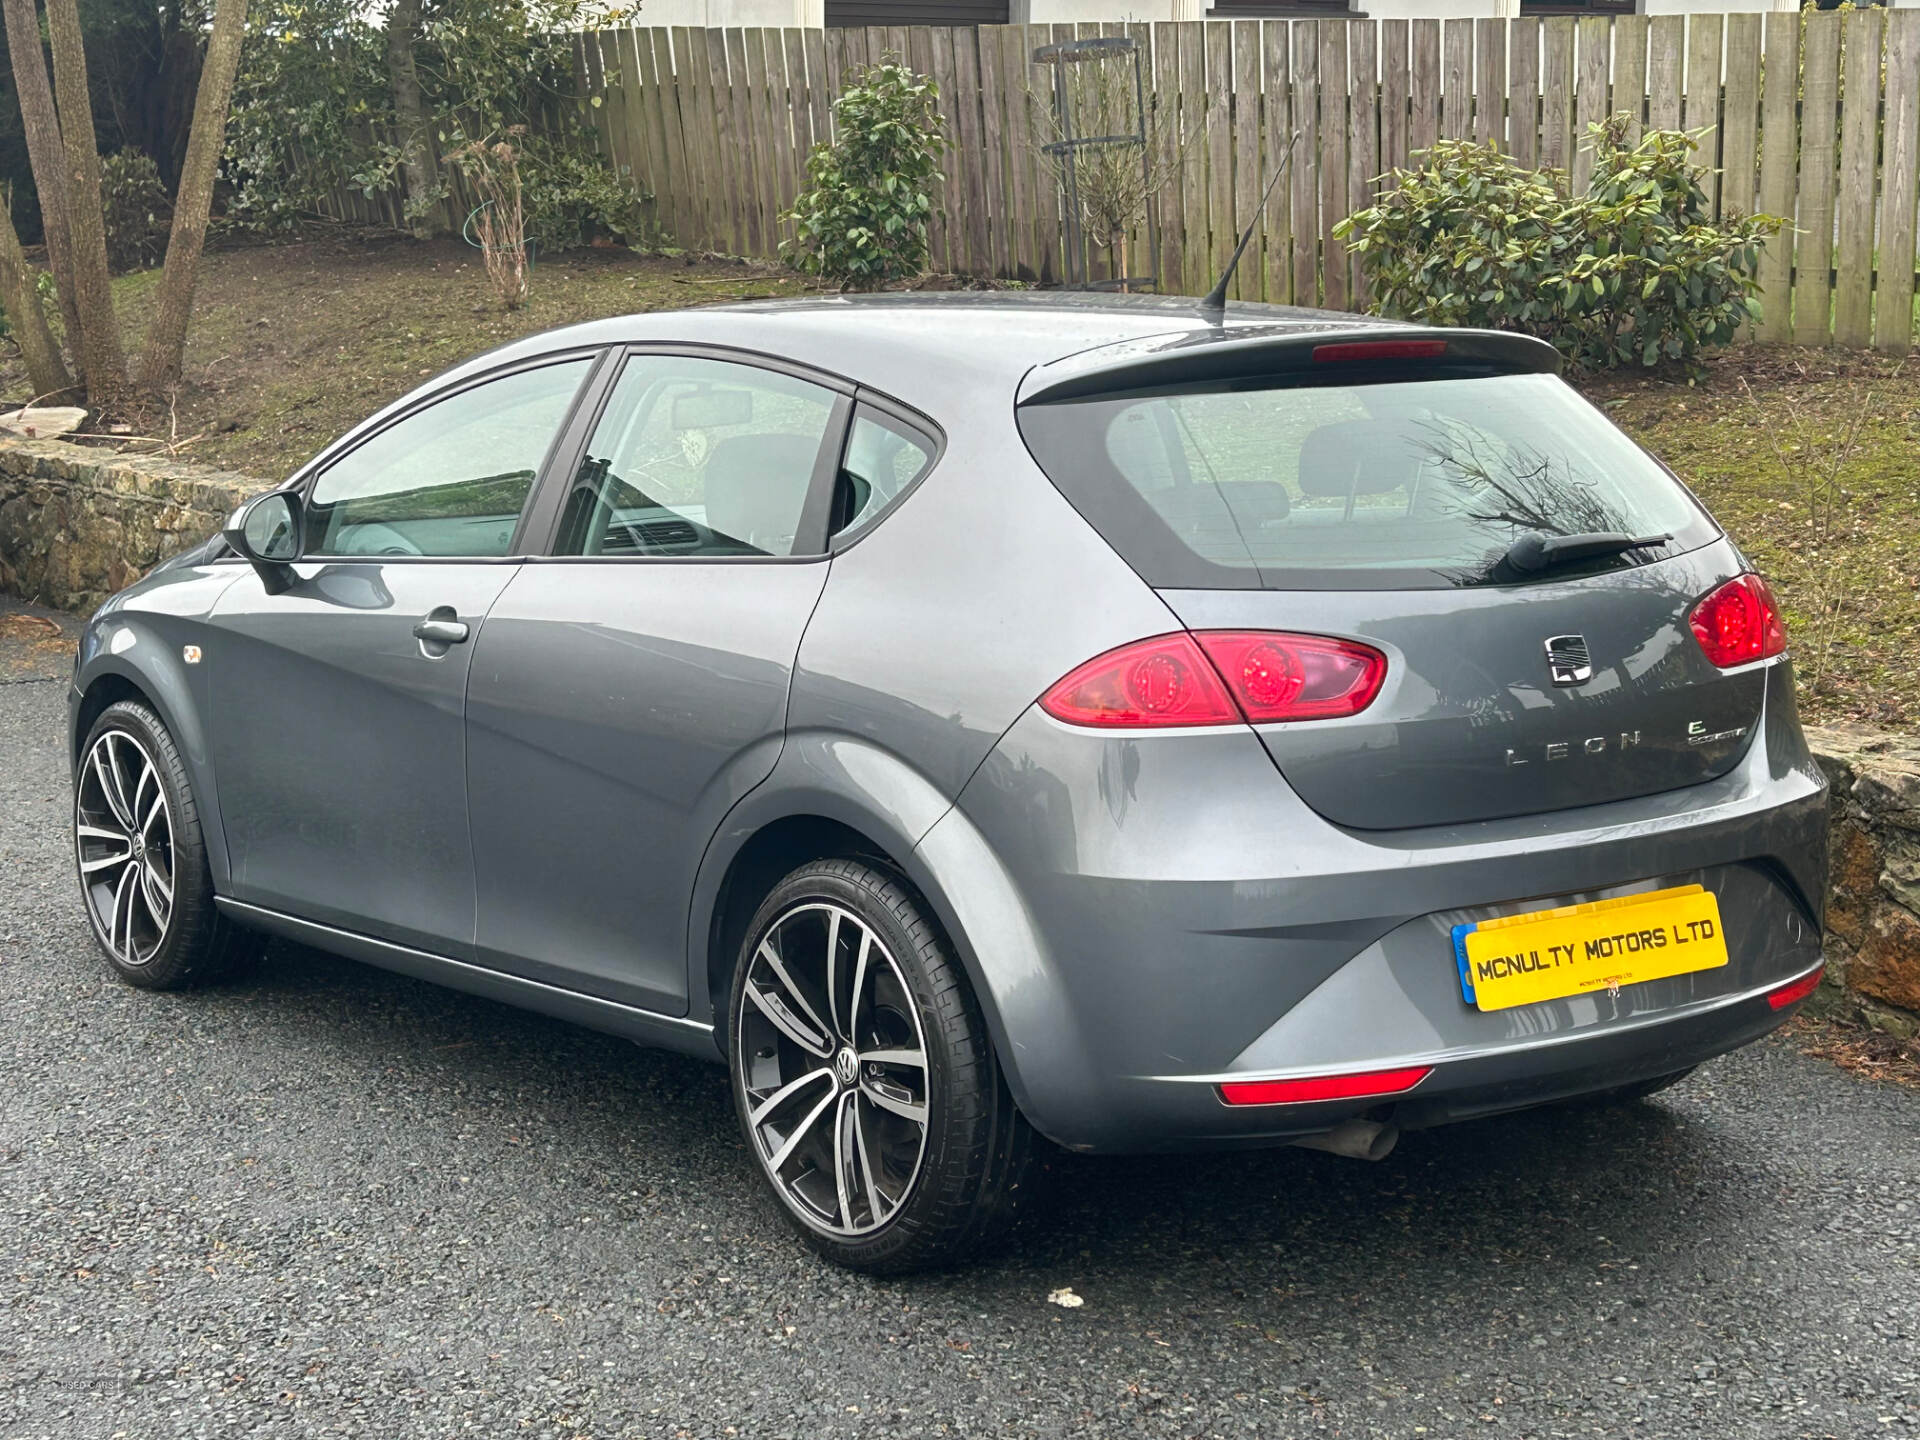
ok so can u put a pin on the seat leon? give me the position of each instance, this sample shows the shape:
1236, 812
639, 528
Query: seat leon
975, 717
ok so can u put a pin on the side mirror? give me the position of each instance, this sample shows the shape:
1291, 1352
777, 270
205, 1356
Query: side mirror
266, 532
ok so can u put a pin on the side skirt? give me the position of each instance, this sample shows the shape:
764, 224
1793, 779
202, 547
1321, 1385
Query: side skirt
689, 1037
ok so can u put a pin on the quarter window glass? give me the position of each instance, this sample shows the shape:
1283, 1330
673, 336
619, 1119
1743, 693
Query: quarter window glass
450, 479
883, 458
697, 457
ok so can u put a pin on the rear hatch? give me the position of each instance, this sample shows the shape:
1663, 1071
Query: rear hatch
1372, 488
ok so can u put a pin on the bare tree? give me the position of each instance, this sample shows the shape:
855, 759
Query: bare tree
46, 371
410, 117
103, 360
167, 334
44, 153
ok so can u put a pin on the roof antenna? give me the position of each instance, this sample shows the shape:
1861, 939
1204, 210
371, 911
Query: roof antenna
1214, 303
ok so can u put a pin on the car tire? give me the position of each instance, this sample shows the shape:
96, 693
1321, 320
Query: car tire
831, 1062
141, 858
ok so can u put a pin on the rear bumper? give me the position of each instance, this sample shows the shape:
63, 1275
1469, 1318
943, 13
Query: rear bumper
1183, 919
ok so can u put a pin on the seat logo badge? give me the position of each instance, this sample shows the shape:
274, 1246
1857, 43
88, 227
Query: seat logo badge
1567, 659
190, 654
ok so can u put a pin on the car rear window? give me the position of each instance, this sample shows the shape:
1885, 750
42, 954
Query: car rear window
1416, 483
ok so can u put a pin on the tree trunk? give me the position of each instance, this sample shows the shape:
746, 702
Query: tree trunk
103, 360
410, 117
46, 371
44, 151
167, 334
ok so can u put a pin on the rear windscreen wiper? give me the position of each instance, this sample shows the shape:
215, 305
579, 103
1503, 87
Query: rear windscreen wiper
1535, 552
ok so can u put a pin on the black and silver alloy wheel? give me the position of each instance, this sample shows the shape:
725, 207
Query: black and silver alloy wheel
123, 840
836, 1069
142, 859
864, 1077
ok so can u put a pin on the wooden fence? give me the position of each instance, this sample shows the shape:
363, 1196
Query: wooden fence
1816, 119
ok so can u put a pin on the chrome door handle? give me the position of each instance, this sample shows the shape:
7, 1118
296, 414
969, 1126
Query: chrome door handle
440, 632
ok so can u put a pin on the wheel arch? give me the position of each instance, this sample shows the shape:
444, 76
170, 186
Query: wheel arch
142, 668
832, 796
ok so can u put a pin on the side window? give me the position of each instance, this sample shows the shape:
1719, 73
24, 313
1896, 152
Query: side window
884, 457
697, 457
450, 479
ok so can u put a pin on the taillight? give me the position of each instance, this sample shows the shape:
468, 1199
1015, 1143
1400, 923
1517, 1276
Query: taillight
1324, 1087
1739, 623
1164, 681
1178, 680
1295, 677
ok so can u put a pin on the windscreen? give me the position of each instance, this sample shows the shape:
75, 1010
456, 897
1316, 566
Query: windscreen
1418, 483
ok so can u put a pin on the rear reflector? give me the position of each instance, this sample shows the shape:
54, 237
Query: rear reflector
1796, 992
1739, 623
1220, 677
1324, 1087
1356, 351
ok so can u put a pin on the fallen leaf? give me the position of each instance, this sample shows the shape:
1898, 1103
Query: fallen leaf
1065, 1298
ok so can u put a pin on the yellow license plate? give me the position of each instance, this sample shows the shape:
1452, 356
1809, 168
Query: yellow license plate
1601, 945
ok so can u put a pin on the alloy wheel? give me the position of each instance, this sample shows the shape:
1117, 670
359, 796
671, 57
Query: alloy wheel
834, 1064
123, 841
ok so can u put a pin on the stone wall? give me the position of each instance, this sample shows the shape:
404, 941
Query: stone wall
1873, 913
77, 524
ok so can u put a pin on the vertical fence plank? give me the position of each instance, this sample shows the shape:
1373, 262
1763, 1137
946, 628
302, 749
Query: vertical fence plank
1333, 161
1049, 239
1630, 73
920, 57
1813, 260
1666, 69
1456, 82
1305, 181
746, 167
1523, 83
640, 100
1217, 54
1423, 87
1859, 139
966, 56
611, 115
994, 103
1740, 125
1490, 82
1170, 135
1556, 93
1893, 300
1277, 111
1591, 97
1703, 98
1396, 78
759, 148
701, 122
1197, 244
952, 227
786, 106
1022, 163
820, 94
1246, 154
1779, 152
726, 167
1363, 140
686, 103
656, 59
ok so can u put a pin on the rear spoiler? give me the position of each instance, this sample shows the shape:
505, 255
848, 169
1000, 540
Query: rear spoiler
1252, 352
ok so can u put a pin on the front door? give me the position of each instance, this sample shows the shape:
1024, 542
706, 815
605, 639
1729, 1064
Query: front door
339, 743
628, 690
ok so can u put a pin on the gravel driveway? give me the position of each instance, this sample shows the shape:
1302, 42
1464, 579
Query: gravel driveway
337, 1202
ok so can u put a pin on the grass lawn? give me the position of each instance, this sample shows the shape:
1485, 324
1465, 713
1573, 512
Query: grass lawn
293, 343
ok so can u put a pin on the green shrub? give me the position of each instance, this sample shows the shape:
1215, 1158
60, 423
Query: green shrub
1632, 272
862, 220
571, 197
136, 209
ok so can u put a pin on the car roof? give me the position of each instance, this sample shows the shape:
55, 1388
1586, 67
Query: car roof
890, 341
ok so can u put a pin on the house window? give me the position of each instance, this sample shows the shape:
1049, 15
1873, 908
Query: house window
1281, 9
916, 12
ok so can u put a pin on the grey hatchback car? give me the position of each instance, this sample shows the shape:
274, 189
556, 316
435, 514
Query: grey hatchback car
975, 716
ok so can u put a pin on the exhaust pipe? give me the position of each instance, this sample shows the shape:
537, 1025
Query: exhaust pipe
1359, 1139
